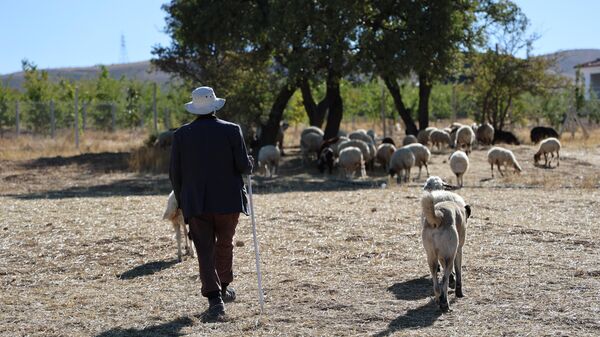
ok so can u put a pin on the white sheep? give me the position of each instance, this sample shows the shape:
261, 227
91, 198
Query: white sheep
443, 234
548, 145
310, 144
268, 159
351, 159
423, 135
312, 129
401, 161
422, 156
384, 153
361, 135
459, 164
173, 213
501, 156
364, 147
439, 138
464, 137
409, 139
485, 134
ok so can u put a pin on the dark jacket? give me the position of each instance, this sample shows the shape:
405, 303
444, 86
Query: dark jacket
208, 158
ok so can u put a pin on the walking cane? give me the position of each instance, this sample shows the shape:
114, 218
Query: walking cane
261, 298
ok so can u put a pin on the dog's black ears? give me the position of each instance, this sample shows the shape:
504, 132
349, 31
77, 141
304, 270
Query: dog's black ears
468, 210
449, 187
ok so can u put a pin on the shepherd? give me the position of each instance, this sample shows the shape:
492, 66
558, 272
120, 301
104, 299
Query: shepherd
208, 159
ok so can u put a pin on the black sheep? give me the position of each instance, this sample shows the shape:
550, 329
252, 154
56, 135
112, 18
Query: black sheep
542, 132
505, 137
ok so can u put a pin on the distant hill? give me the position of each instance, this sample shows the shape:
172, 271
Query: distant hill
142, 71
568, 59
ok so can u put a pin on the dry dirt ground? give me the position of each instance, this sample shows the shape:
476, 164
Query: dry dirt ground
83, 252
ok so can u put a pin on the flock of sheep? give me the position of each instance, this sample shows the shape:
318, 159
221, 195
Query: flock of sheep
444, 213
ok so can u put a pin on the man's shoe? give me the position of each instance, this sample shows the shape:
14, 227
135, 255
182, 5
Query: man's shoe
228, 295
216, 308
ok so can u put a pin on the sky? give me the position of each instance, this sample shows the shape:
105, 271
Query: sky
79, 33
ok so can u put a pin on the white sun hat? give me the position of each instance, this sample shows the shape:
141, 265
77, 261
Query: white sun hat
204, 101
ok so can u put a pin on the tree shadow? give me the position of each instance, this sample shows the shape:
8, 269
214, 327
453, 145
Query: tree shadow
168, 329
420, 317
147, 269
413, 290
97, 162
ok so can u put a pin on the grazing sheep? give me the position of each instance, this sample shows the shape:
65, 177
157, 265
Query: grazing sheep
364, 148
312, 129
310, 143
268, 160
443, 234
439, 138
174, 214
351, 159
423, 135
371, 133
335, 146
280, 133
548, 145
459, 163
384, 153
359, 134
422, 156
409, 139
501, 156
401, 161
542, 132
464, 137
485, 134
505, 137
326, 158
388, 140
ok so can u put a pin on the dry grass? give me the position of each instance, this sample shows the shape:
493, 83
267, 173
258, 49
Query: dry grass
84, 253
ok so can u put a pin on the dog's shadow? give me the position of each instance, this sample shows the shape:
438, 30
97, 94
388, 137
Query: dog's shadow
147, 269
412, 290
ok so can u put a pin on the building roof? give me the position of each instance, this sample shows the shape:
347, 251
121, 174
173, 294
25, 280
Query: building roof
595, 63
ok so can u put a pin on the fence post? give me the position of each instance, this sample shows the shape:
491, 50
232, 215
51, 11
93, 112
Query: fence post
17, 118
154, 107
84, 116
383, 110
52, 120
77, 117
113, 110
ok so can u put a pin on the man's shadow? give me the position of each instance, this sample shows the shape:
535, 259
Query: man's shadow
147, 269
168, 329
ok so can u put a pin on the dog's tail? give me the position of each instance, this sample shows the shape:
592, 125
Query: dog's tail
432, 216
171, 211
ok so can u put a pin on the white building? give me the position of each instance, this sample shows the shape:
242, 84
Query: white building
590, 73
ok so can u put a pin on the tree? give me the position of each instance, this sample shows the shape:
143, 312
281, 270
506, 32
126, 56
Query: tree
38, 94
107, 93
6, 97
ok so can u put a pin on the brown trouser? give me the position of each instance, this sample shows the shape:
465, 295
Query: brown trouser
213, 238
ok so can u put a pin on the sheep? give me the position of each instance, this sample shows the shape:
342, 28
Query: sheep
335, 146
505, 137
542, 132
310, 143
422, 156
364, 148
459, 163
439, 137
384, 153
280, 133
401, 161
423, 135
501, 156
388, 140
312, 129
173, 213
548, 145
361, 136
371, 133
268, 159
409, 139
351, 158
464, 137
485, 134
443, 235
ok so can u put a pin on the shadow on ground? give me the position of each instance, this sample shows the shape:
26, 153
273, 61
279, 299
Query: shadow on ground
420, 317
168, 329
147, 269
412, 290
97, 162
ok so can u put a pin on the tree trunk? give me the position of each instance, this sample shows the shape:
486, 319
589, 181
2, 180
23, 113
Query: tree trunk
424, 93
336, 105
271, 128
394, 89
315, 112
